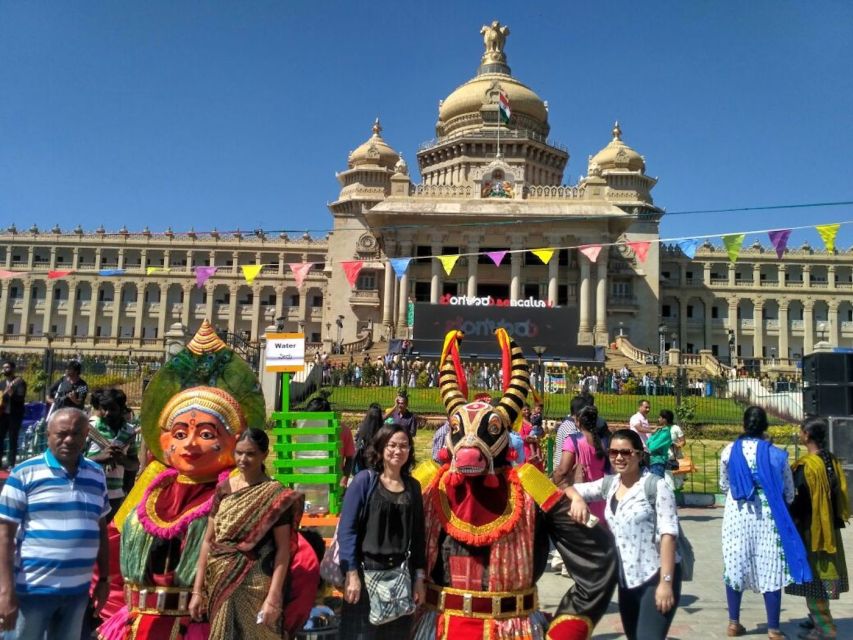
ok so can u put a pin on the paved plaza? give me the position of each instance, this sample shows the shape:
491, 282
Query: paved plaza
702, 613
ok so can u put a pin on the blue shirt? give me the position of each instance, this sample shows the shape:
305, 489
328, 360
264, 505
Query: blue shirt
59, 523
517, 443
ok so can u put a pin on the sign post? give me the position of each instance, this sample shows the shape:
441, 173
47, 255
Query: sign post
285, 354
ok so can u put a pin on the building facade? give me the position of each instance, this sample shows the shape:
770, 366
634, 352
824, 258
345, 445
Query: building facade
488, 185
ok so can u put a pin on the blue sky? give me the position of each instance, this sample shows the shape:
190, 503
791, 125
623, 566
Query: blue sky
235, 114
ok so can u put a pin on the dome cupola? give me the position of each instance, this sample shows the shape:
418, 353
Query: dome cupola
617, 156
374, 152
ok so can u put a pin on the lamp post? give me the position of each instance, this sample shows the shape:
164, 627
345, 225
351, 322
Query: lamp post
731, 347
340, 323
662, 343
279, 323
540, 350
48, 361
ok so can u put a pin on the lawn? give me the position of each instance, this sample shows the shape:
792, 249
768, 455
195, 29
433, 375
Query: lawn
614, 407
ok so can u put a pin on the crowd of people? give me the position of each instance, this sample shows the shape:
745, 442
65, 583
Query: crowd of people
256, 572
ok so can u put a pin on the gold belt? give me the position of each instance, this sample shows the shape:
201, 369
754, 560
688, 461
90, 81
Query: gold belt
167, 601
498, 605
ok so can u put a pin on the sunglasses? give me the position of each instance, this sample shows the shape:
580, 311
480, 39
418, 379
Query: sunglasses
625, 453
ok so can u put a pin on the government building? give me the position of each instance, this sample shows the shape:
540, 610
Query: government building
489, 188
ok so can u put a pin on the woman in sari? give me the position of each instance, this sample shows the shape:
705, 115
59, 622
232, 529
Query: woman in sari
251, 536
820, 511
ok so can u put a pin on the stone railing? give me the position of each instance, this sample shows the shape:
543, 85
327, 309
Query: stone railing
630, 351
360, 344
562, 192
440, 191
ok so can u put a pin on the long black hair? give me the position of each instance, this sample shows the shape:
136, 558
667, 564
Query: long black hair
370, 424
257, 437
380, 441
817, 431
588, 421
754, 422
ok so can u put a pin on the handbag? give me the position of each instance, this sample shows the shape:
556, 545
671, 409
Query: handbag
390, 593
330, 565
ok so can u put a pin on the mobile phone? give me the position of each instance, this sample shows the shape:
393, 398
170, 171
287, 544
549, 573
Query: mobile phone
592, 521
260, 618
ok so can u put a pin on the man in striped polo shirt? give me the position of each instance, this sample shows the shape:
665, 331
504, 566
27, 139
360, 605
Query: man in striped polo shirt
59, 501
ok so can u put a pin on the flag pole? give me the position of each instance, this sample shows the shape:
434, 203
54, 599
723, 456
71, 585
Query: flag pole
498, 154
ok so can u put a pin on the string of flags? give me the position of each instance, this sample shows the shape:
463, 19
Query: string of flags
732, 242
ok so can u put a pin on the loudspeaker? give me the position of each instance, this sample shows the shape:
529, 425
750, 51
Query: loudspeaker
828, 400
841, 445
828, 368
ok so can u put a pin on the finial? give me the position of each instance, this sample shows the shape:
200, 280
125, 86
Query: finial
617, 131
377, 127
494, 40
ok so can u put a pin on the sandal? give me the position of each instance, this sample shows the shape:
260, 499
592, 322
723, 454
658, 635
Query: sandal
735, 629
775, 634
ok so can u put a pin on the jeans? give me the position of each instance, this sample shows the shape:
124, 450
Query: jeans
659, 469
640, 618
53, 617
9, 426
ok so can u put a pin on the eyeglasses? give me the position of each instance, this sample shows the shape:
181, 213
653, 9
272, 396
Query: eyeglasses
393, 446
625, 453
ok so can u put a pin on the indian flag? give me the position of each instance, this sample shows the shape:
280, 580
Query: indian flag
503, 108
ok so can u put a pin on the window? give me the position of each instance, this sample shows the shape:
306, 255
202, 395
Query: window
450, 289
621, 289
423, 250
316, 301
562, 294
689, 275
293, 301
666, 311
715, 350
689, 310
715, 312
665, 274
366, 281
531, 290
15, 293
422, 291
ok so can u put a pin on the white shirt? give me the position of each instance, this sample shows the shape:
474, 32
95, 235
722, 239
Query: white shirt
635, 525
639, 420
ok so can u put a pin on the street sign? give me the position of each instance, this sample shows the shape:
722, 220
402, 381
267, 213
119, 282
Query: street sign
285, 352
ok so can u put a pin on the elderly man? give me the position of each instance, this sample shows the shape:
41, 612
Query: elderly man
400, 414
59, 501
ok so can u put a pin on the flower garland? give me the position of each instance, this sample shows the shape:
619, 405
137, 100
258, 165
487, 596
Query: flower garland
154, 524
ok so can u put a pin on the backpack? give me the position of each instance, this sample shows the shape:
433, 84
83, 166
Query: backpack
682, 544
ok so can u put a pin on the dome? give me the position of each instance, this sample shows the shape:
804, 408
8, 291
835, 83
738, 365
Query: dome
617, 155
374, 152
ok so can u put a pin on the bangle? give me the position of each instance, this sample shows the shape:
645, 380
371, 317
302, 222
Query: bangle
198, 593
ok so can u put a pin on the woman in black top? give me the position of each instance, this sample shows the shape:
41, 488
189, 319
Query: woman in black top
381, 525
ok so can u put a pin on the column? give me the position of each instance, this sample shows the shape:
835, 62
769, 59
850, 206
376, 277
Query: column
756, 277
235, 259
117, 302
143, 260
584, 301
303, 302
388, 297
47, 316
601, 300
758, 329
30, 257
189, 266
731, 274
807, 276
553, 282
405, 249
4, 301
830, 276
120, 263
709, 323
53, 258
682, 325
98, 259
706, 275
733, 325
516, 258
473, 266
435, 281
781, 276
280, 267
256, 312
71, 312
140, 311
808, 326
832, 308
94, 311
25, 312
232, 308
163, 312
279, 302
185, 311
784, 329
75, 258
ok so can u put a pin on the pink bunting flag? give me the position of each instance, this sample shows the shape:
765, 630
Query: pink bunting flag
352, 269
640, 249
779, 240
54, 275
203, 274
591, 251
6, 274
496, 256
300, 270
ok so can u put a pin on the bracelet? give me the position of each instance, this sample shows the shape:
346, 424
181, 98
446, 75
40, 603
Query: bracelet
198, 593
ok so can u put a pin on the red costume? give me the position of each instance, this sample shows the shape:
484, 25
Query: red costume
488, 526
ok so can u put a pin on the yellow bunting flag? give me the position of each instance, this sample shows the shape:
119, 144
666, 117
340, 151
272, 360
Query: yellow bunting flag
150, 270
827, 234
544, 255
448, 262
733, 244
251, 271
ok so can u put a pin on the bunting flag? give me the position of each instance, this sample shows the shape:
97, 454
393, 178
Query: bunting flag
591, 251
300, 270
779, 240
496, 256
400, 265
54, 275
6, 274
448, 262
733, 244
827, 234
150, 270
351, 269
251, 271
111, 272
688, 247
640, 249
544, 255
203, 274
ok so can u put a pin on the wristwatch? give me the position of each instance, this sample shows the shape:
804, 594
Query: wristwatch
667, 577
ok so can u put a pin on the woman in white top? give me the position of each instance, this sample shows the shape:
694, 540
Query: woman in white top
649, 574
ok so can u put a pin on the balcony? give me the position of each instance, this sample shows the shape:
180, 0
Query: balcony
770, 283
798, 325
364, 297
747, 323
719, 281
772, 324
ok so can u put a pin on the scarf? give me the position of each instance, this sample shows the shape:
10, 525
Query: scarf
822, 528
770, 463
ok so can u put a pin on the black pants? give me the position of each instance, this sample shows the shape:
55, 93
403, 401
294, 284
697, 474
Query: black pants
10, 426
641, 619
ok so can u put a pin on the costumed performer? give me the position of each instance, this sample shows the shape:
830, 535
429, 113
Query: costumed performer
488, 525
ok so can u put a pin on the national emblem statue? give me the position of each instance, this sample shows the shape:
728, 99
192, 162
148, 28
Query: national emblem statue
192, 413
489, 525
